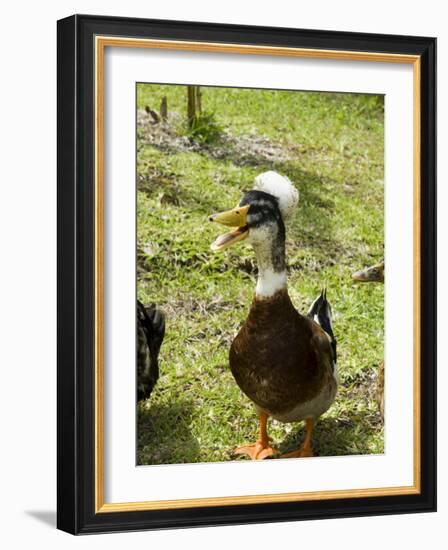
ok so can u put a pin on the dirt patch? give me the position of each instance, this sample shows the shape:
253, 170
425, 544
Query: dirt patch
250, 149
363, 383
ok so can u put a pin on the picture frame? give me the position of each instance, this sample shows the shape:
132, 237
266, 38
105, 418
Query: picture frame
82, 42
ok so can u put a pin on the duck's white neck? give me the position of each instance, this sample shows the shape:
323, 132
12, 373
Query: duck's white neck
271, 267
269, 282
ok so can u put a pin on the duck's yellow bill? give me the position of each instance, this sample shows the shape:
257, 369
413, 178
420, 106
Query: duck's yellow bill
237, 218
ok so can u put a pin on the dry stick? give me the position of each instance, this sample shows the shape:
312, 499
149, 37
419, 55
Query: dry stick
164, 109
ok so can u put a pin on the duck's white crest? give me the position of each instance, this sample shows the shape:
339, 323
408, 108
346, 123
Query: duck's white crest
280, 187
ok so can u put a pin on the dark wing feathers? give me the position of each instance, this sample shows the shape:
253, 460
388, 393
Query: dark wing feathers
154, 327
320, 312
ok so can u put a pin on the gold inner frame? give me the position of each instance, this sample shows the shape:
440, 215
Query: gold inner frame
101, 42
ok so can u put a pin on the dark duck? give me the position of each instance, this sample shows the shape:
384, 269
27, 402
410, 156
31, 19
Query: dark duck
150, 333
282, 360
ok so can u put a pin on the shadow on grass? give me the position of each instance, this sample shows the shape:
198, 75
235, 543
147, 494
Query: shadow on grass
164, 434
316, 203
333, 437
313, 224
312, 244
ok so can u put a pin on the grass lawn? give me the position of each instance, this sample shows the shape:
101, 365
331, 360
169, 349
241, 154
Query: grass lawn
331, 147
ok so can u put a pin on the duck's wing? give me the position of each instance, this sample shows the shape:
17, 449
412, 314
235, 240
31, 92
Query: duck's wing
321, 313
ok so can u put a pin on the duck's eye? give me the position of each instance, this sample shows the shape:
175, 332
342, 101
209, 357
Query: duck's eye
237, 212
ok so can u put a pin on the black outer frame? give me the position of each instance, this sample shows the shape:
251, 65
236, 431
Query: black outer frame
75, 172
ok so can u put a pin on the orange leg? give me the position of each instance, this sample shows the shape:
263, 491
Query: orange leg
305, 449
261, 449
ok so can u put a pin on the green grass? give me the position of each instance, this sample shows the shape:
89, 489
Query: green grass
331, 147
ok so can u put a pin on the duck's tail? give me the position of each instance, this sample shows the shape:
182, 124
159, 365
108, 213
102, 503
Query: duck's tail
320, 312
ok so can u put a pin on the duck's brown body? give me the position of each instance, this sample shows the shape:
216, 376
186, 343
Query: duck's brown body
283, 361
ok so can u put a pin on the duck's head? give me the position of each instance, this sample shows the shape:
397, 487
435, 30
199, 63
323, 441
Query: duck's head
373, 274
259, 216
256, 218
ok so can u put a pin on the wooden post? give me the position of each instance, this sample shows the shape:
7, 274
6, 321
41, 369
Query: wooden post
194, 106
199, 99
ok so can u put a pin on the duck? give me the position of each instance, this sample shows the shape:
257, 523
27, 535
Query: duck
150, 335
374, 274
283, 361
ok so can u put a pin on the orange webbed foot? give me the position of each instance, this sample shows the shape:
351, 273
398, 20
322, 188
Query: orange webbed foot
305, 450
256, 451
302, 452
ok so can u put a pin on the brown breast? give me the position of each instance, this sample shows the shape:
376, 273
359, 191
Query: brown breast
279, 358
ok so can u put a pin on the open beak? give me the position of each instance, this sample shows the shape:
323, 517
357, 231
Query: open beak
236, 218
